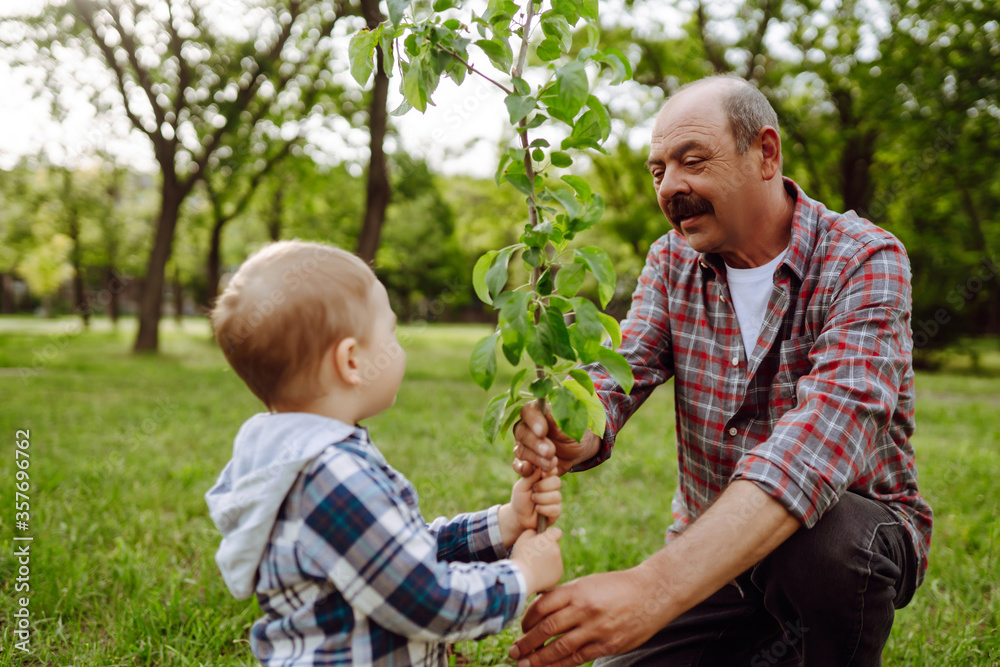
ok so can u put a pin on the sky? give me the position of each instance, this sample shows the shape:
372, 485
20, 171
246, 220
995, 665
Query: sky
459, 135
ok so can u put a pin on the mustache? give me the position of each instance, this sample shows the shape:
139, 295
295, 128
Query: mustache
685, 206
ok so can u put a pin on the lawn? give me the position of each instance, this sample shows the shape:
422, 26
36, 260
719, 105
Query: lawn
122, 450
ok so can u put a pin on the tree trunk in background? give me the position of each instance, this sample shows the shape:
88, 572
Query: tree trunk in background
178, 298
274, 222
214, 264
378, 180
856, 160
7, 301
114, 287
151, 301
73, 227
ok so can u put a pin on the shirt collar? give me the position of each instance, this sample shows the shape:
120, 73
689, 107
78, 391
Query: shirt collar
803, 236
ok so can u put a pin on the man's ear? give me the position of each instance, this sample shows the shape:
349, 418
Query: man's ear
770, 146
345, 362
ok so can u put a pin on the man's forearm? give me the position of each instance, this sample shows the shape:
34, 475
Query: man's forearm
742, 527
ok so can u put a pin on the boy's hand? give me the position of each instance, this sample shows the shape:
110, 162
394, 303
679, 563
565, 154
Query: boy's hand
539, 558
531, 496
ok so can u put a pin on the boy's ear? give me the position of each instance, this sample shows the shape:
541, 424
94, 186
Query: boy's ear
345, 362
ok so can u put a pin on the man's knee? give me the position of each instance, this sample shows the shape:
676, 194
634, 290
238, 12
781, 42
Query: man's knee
824, 565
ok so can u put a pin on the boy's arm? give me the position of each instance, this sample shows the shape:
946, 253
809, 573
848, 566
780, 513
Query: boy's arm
470, 537
360, 534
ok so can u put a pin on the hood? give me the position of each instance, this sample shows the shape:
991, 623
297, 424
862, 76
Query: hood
269, 452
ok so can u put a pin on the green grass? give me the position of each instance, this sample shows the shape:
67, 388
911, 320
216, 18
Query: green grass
123, 449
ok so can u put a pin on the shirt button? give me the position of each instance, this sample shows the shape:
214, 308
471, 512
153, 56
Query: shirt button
736, 361
733, 431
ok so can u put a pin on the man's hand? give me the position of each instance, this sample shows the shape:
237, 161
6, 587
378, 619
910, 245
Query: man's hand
599, 615
540, 443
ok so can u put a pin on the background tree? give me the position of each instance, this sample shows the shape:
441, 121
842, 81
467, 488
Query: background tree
194, 78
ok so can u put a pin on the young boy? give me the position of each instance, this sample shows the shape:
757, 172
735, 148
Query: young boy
314, 521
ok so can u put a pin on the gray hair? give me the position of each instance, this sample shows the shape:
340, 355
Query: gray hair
747, 108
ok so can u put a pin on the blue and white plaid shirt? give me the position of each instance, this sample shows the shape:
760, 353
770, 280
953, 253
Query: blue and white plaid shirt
352, 575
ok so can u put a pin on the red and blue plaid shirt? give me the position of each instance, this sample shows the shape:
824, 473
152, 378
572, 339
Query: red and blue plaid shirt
823, 405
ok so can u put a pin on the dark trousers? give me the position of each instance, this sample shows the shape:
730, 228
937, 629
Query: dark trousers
825, 597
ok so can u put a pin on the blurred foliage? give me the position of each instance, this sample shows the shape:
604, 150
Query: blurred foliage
887, 107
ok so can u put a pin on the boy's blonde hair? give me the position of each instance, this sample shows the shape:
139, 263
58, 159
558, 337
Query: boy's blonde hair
286, 306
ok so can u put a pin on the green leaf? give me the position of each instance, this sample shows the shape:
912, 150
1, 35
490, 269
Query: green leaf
521, 182
557, 27
479, 276
513, 414
360, 51
591, 9
402, 109
567, 199
494, 416
583, 378
518, 107
570, 278
560, 159
616, 60
569, 412
541, 387
501, 167
513, 320
441, 5
515, 383
561, 345
496, 276
610, 325
591, 215
414, 88
587, 128
539, 344
603, 117
571, 9
572, 89
597, 417
587, 333
483, 364
600, 265
521, 86
387, 42
548, 50
498, 51
617, 367
579, 185
396, 10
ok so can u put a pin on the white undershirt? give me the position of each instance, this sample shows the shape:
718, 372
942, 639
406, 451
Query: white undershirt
751, 290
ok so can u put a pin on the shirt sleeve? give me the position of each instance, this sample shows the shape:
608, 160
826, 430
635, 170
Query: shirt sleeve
646, 345
845, 402
469, 537
360, 534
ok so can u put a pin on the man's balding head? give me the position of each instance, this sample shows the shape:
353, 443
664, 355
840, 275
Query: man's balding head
746, 107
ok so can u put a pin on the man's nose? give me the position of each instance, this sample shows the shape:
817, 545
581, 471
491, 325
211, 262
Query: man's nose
672, 184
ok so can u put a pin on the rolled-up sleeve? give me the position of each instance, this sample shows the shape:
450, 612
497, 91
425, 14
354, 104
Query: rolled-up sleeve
845, 402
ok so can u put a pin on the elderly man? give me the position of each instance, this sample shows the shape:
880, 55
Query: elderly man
798, 526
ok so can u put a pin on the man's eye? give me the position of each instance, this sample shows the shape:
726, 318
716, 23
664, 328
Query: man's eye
693, 162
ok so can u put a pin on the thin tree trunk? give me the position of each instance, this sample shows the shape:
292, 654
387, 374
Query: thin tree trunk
178, 298
114, 288
73, 227
378, 180
151, 301
7, 305
277, 206
214, 263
